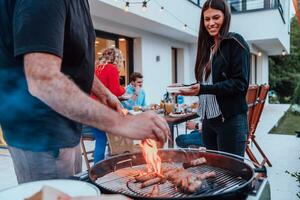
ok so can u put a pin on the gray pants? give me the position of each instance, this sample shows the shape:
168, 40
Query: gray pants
57, 164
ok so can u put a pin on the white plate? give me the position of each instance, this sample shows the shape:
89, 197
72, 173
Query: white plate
70, 187
177, 89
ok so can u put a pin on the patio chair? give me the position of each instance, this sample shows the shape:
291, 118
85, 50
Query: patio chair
87, 135
251, 99
119, 145
263, 91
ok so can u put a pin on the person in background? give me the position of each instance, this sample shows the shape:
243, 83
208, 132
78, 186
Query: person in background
47, 51
193, 139
135, 90
107, 72
222, 71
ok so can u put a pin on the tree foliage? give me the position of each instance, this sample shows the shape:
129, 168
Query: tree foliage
285, 70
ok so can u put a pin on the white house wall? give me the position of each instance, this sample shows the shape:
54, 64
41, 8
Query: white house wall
261, 26
262, 69
155, 33
157, 75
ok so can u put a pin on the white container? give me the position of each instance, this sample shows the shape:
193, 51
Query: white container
71, 187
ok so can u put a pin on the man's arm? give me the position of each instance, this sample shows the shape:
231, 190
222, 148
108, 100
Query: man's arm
105, 96
50, 85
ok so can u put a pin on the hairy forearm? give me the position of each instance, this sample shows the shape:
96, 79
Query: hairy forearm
62, 95
99, 89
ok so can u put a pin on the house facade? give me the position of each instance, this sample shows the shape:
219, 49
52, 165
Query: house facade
158, 37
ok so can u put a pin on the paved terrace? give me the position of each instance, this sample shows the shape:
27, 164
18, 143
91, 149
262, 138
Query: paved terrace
282, 150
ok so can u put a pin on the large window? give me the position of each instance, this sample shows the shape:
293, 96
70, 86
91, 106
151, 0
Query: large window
125, 44
248, 5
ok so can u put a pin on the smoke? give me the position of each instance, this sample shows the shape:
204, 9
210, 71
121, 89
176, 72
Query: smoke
15, 100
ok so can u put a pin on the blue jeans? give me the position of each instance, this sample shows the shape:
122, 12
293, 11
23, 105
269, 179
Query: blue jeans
229, 136
101, 140
192, 139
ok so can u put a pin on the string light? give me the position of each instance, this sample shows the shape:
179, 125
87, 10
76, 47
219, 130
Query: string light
126, 9
144, 7
185, 27
162, 8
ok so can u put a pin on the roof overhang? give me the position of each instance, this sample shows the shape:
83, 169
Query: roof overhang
106, 11
270, 46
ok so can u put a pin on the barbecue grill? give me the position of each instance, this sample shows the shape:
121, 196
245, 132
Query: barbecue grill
234, 179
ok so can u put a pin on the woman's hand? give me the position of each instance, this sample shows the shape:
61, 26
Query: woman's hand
192, 91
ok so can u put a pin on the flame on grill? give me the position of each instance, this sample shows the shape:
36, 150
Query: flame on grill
150, 150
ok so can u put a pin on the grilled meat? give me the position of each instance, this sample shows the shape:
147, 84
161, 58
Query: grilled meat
146, 177
153, 182
194, 163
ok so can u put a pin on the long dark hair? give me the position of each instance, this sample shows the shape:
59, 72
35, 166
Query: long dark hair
205, 41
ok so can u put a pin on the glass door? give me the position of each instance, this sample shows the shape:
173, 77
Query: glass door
125, 44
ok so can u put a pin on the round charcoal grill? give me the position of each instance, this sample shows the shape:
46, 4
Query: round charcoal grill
234, 178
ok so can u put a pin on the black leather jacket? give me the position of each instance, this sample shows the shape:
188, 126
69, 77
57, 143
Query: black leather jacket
230, 74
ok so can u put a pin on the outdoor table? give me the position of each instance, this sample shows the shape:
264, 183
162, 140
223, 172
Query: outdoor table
172, 121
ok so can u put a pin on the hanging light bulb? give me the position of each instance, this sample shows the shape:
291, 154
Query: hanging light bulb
185, 27
259, 54
162, 8
283, 53
144, 7
126, 9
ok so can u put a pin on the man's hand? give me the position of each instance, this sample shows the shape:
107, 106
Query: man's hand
137, 90
193, 91
147, 125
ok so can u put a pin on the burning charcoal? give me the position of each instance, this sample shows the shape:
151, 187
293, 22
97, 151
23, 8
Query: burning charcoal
146, 177
152, 182
194, 163
155, 191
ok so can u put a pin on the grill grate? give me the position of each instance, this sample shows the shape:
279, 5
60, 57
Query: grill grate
122, 181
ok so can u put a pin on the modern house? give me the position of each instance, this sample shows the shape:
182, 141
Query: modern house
158, 37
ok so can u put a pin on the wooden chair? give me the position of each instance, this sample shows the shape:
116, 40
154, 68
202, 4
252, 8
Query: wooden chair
119, 145
87, 135
263, 92
251, 98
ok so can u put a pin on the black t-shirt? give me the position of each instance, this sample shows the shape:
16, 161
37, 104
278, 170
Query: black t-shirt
60, 27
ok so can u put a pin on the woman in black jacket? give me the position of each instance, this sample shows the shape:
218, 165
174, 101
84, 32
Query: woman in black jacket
222, 69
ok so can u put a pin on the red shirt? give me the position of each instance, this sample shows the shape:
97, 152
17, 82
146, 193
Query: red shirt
109, 75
